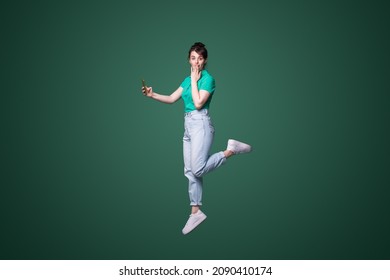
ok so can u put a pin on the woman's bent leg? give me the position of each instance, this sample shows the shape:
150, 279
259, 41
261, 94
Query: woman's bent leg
201, 141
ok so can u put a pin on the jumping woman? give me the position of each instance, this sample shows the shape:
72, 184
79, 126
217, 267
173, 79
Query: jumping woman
197, 91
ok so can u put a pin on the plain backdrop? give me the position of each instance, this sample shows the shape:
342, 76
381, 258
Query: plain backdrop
91, 169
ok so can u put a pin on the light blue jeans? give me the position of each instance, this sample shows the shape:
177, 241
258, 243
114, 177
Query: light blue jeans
197, 141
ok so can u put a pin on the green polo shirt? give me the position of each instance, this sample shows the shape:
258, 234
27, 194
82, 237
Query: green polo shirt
206, 82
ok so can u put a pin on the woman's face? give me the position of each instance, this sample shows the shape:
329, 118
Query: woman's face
197, 61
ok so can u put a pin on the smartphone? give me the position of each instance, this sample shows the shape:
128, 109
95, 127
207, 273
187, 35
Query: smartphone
144, 84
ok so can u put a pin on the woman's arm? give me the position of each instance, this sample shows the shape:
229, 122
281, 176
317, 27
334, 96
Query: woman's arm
199, 97
168, 99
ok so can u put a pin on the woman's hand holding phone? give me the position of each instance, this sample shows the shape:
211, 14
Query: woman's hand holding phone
147, 91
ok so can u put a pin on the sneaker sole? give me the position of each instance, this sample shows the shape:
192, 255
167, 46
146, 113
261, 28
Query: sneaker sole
196, 224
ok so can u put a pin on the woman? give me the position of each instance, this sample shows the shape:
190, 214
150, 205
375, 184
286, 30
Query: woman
197, 91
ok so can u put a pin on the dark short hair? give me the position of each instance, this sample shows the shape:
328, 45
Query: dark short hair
199, 48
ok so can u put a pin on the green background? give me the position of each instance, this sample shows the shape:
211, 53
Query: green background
91, 169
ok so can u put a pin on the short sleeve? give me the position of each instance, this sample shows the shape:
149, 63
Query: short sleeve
208, 84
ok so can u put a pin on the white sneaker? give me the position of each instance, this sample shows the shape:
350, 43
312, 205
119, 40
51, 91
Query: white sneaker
238, 147
194, 221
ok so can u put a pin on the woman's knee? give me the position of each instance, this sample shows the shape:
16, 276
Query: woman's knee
198, 171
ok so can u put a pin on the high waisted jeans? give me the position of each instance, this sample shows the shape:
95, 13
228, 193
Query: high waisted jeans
197, 141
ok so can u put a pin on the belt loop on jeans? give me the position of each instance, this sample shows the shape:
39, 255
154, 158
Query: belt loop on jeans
201, 111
